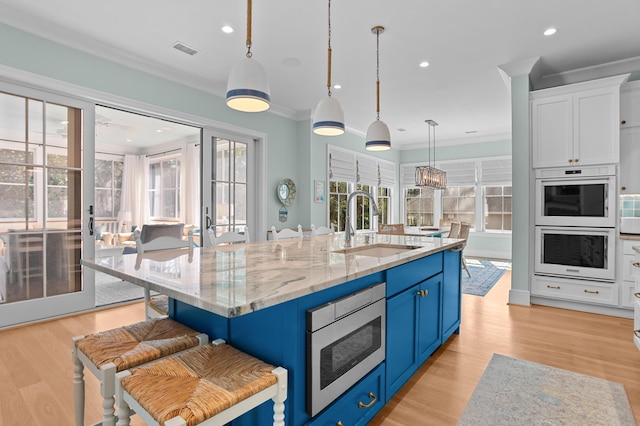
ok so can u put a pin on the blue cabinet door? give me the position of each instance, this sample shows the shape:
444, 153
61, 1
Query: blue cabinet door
402, 321
429, 327
451, 295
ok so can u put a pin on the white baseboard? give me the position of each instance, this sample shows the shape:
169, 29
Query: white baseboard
583, 307
519, 297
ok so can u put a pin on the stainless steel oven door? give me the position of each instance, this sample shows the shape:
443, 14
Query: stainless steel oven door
583, 253
345, 341
576, 201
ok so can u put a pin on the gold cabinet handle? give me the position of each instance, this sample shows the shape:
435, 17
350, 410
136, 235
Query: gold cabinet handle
636, 332
570, 160
637, 294
575, 160
373, 400
623, 188
422, 293
623, 122
636, 264
339, 423
591, 291
556, 287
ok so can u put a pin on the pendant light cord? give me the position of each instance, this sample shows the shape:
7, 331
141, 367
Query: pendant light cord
329, 52
249, 16
377, 73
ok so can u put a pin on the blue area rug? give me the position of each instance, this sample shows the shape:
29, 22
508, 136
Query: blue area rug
484, 274
512, 391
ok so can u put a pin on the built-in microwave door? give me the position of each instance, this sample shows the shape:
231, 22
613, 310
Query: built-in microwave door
576, 202
582, 253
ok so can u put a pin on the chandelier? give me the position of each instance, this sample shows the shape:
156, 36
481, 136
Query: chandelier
429, 176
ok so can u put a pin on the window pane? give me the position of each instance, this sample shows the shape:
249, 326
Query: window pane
240, 163
104, 173
419, 206
169, 207
338, 204
240, 204
14, 122
104, 203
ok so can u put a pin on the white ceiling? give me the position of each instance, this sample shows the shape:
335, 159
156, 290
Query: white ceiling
464, 40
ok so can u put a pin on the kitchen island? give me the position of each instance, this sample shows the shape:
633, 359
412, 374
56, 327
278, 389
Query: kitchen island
256, 296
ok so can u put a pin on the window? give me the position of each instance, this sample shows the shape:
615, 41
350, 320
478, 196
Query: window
497, 211
108, 179
164, 188
384, 204
338, 192
478, 192
348, 172
419, 206
17, 189
363, 209
458, 203
230, 186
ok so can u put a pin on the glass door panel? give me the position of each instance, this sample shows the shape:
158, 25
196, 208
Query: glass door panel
41, 214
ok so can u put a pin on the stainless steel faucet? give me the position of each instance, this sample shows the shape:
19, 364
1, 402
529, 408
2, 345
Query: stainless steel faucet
349, 229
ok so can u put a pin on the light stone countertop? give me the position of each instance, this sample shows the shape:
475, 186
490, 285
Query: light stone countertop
232, 280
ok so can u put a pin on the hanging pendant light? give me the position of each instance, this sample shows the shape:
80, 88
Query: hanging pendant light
248, 86
378, 135
429, 176
329, 117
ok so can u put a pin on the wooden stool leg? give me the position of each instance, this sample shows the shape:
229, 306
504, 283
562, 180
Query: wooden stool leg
108, 390
124, 411
78, 383
280, 397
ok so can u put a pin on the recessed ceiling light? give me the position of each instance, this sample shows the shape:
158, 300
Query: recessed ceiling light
402, 129
424, 64
227, 29
471, 131
550, 31
337, 86
158, 130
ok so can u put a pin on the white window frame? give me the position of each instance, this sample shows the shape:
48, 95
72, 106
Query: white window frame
159, 159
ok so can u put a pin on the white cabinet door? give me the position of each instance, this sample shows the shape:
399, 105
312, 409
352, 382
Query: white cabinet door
596, 130
630, 161
552, 131
630, 105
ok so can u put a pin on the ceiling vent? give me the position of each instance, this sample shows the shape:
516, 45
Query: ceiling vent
184, 48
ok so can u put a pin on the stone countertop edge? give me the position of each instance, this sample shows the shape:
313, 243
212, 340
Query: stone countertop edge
630, 236
238, 279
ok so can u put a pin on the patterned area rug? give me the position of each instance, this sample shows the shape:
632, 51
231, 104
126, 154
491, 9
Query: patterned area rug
516, 392
484, 274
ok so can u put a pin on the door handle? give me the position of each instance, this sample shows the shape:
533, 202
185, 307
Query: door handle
90, 220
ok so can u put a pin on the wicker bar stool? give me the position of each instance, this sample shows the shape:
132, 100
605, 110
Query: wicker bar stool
107, 352
208, 385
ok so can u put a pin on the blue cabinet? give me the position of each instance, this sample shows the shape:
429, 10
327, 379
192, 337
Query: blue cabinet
451, 294
413, 330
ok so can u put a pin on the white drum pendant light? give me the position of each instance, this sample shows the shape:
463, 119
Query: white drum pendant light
329, 117
248, 86
378, 135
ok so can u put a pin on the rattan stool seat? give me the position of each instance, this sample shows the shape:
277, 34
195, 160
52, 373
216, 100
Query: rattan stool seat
107, 352
160, 304
198, 384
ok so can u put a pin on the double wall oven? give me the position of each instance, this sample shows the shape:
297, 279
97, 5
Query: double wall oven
575, 223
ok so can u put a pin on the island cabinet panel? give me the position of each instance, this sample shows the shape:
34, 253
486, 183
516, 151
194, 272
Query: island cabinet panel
413, 330
404, 276
451, 294
359, 405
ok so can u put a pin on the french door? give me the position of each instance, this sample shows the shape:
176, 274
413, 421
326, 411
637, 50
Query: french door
46, 187
228, 184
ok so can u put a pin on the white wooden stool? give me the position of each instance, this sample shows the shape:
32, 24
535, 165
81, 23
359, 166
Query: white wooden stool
208, 385
107, 352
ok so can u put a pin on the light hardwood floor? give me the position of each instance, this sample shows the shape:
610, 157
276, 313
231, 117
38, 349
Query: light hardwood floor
36, 370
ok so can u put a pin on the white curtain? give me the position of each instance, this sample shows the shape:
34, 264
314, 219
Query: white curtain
190, 191
134, 192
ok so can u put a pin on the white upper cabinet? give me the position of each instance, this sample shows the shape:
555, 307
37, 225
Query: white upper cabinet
577, 124
630, 105
630, 160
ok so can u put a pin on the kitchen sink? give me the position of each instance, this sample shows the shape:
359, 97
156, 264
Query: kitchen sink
378, 250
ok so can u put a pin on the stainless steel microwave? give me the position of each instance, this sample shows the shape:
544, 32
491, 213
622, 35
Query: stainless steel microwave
576, 197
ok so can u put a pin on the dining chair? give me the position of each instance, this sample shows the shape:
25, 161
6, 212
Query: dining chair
286, 233
229, 237
454, 230
321, 230
209, 385
107, 352
463, 234
391, 228
156, 240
